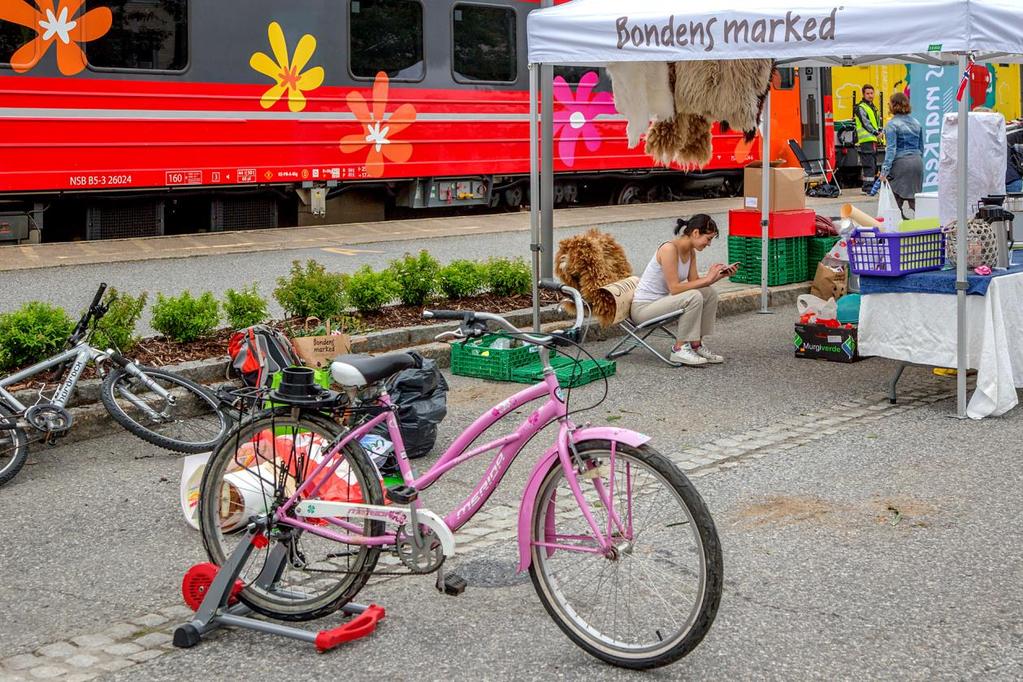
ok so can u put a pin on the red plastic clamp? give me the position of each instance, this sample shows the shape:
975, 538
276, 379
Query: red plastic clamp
362, 625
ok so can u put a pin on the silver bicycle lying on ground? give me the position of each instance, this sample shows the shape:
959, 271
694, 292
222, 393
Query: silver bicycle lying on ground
160, 407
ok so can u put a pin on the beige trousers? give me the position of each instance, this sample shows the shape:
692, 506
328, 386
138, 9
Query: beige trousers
701, 306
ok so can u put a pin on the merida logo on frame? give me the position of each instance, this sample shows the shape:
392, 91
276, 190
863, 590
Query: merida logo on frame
681, 33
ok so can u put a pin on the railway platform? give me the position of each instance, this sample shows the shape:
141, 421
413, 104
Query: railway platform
33, 256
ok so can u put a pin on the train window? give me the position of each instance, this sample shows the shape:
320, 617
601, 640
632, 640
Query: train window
146, 35
484, 43
12, 37
386, 35
786, 78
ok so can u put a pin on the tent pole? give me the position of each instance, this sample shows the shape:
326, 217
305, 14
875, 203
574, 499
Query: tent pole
547, 158
534, 189
961, 251
547, 171
765, 200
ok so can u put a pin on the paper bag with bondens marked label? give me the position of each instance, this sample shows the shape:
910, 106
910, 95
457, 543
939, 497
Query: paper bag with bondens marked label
319, 351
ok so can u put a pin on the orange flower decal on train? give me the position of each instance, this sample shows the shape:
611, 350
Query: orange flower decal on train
378, 129
60, 26
287, 74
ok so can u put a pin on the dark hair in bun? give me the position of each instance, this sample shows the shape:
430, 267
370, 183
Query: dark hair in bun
701, 223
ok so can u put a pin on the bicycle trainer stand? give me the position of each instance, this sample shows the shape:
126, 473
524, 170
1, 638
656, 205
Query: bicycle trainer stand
212, 592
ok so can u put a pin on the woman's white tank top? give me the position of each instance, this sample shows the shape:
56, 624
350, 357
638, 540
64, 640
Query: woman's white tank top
652, 286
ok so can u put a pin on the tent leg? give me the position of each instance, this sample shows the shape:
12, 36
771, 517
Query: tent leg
961, 251
765, 202
534, 189
547, 172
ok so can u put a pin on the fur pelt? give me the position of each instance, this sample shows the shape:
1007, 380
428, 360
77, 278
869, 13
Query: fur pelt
685, 140
589, 261
729, 91
642, 91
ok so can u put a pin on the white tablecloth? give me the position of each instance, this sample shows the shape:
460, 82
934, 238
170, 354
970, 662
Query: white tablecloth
921, 328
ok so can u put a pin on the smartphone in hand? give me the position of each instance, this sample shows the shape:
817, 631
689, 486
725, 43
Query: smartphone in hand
730, 269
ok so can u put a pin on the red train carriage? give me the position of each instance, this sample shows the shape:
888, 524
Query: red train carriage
136, 117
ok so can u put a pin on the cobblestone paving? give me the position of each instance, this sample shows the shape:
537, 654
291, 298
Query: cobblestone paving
122, 645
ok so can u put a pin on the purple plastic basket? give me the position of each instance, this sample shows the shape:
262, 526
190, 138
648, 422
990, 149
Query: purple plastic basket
891, 254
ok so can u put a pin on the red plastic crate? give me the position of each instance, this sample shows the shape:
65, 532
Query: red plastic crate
745, 222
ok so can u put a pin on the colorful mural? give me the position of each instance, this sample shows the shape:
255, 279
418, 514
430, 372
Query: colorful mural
62, 26
287, 75
378, 128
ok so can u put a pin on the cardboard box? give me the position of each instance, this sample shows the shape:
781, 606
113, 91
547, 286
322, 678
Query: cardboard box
787, 190
826, 343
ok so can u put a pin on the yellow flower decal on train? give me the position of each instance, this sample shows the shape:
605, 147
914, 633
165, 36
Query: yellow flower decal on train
287, 74
61, 25
379, 129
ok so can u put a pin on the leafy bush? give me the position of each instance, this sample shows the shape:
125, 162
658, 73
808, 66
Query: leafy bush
117, 328
507, 277
245, 308
461, 279
32, 333
311, 291
184, 318
370, 291
416, 277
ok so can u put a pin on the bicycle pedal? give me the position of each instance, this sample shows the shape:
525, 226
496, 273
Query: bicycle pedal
451, 584
402, 494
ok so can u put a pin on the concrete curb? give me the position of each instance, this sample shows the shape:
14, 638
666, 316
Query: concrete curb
92, 421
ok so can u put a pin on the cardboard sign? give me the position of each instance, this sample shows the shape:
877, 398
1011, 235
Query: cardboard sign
319, 351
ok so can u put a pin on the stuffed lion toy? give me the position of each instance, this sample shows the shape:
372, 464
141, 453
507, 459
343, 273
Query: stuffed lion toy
587, 262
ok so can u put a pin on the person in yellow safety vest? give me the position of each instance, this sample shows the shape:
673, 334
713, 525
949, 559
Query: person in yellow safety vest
868, 130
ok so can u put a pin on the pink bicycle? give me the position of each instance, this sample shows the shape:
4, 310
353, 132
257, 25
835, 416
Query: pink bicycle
621, 548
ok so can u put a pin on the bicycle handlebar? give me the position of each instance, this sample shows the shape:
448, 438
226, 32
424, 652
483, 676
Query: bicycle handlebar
468, 317
99, 295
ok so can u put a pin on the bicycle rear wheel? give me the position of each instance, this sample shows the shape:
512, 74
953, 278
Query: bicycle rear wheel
298, 574
649, 600
192, 424
13, 446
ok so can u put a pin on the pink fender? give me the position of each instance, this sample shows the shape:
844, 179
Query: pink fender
607, 433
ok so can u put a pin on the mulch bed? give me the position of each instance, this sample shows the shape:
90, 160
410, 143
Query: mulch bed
157, 351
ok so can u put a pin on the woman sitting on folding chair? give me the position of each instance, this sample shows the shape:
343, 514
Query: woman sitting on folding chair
671, 282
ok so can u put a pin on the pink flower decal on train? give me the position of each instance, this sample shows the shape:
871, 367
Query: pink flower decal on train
379, 129
574, 115
287, 73
61, 25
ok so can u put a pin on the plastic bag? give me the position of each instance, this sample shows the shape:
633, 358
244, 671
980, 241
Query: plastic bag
888, 209
421, 394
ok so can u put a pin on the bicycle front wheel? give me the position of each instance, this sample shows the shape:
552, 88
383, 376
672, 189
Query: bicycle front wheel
191, 423
652, 596
299, 572
13, 445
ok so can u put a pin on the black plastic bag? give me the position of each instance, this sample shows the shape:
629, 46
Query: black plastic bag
421, 394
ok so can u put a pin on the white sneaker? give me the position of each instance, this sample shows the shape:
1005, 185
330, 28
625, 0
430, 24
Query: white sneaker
687, 356
712, 358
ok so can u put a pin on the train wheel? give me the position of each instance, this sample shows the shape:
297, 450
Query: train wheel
630, 193
513, 197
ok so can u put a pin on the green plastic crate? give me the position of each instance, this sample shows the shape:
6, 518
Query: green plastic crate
786, 260
570, 373
817, 248
478, 359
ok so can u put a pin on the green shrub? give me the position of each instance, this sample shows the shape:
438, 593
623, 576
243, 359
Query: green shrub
245, 308
184, 318
117, 328
32, 333
311, 291
461, 279
370, 291
416, 277
507, 277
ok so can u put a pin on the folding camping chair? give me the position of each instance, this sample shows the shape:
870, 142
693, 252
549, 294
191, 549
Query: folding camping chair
636, 335
819, 178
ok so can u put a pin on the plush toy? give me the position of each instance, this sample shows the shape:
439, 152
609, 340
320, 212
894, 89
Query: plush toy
589, 261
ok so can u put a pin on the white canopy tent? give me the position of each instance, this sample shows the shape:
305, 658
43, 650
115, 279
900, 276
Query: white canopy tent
795, 33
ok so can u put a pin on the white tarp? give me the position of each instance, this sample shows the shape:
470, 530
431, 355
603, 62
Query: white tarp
986, 155
604, 31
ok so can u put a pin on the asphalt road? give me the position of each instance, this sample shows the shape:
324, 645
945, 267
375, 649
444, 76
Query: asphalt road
890, 550
72, 287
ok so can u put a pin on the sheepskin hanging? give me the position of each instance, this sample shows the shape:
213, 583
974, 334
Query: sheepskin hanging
642, 92
684, 139
729, 91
